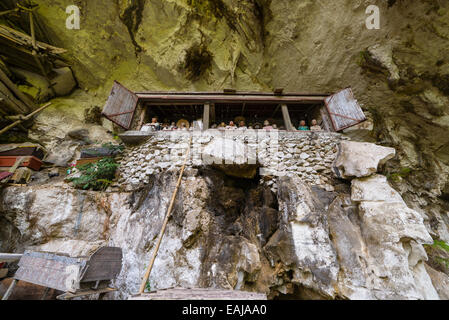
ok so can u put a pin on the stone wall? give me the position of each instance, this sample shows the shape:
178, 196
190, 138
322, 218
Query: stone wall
308, 155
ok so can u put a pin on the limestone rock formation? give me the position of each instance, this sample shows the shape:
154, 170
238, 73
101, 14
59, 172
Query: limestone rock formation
232, 157
360, 159
301, 242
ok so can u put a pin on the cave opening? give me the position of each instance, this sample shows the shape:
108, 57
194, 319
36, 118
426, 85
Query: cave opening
243, 207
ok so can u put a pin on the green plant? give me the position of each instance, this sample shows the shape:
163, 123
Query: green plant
402, 173
441, 244
95, 176
438, 244
148, 286
363, 58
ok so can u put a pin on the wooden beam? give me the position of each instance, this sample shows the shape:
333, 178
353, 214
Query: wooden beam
206, 116
10, 289
8, 11
142, 118
278, 91
11, 86
287, 121
68, 295
8, 100
275, 110
217, 98
25, 118
9, 257
212, 113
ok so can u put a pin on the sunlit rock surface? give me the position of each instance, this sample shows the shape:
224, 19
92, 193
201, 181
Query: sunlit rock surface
360, 159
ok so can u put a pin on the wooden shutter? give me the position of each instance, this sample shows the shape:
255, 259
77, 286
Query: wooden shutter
344, 110
121, 106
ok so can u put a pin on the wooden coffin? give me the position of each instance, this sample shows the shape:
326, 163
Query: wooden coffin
29, 162
96, 152
24, 151
80, 162
65, 273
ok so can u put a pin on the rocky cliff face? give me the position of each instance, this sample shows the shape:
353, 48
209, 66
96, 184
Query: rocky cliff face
399, 73
357, 242
363, 241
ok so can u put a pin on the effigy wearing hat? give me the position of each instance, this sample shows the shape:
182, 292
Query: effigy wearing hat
183, 121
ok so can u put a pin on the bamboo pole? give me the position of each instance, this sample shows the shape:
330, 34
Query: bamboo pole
164, 225
8, 11
10, 289
11, 101
33, 35
9, 84
24, 118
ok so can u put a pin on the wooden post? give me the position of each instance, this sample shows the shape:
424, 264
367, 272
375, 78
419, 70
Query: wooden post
206, 116
286, 116
212, 113
142, 117
10, 289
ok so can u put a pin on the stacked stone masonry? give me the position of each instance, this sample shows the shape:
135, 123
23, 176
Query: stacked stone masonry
309, 155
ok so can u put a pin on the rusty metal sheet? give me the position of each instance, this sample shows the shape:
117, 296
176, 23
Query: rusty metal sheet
121, 106
104, 264
50, 270
344, 110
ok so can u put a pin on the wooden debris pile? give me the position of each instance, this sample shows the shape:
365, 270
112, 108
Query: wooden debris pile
31, 70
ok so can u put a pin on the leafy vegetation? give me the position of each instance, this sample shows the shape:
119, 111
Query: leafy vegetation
402, 173
96, 176
440, 253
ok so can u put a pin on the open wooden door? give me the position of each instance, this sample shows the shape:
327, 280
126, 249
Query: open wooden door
343, 110
121, 106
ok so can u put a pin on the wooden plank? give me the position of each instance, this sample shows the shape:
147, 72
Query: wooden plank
10, 290
104, 264
50, 270
206, 116
120, 106
9, 257
82, 293
286, 116
217, 98
22, 39
199, 294
344, 110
